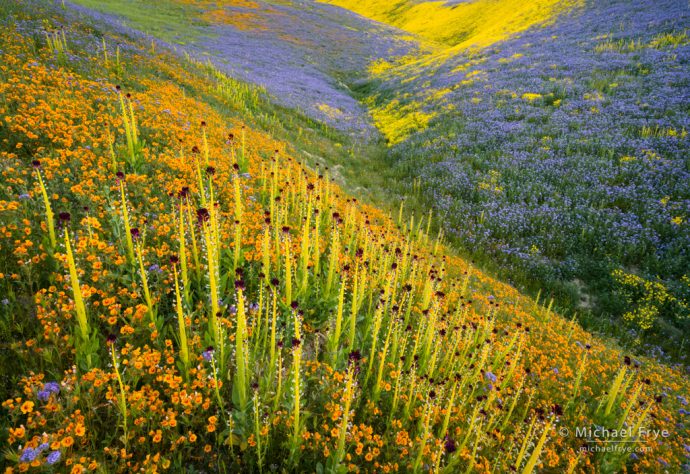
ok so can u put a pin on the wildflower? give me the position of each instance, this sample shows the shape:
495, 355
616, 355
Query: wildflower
53, 457
24, 197
449, 445
134, 231
202, 215
43, 446
208, 354
490, 377
64, 217
29, 455
27, 407
36, 164
43, 395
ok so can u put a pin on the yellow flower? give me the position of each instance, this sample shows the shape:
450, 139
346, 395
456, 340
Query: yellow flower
27, 407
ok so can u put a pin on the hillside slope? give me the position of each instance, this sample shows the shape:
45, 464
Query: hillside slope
561, 154
182, 294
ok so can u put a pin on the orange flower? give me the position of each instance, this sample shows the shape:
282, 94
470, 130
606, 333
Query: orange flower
27, 407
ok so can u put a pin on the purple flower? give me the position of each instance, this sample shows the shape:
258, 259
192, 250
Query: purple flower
490, 377
43, 395
43, 446
208, 354
29, 455
52, 387
53, 457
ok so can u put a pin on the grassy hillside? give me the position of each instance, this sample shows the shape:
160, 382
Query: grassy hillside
561, 155
182, 294
460, 24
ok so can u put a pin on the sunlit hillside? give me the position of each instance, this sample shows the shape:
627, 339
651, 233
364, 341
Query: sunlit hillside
461, 23
199, 275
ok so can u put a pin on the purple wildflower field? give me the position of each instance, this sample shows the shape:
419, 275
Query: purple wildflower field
563, 153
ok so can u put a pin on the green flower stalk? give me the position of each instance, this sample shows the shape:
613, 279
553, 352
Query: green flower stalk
526, 442
145, 285
304, 251
382, 362
79, 306
288, 271
614, 391
129, 123
353, 310
449, 410
279, 383
274, 322
265, 254
183, 254
204, 142
378, 318
317, 246
240, 385
182, 332
195, 248
237, 245
237, 190
348, 397
125, 218
532, 461
334, 257
296, 366
212, 274
257, 431
122, 402
335, 336
105, 53
50, 217
425, 436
